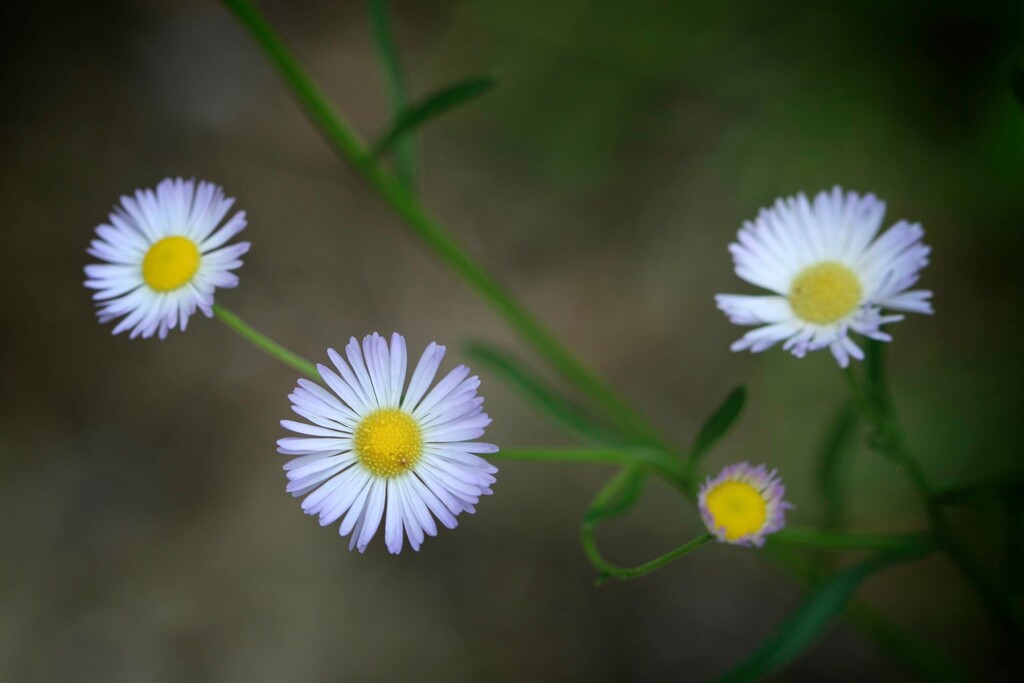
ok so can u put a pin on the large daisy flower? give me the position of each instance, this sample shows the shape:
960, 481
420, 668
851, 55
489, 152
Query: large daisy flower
831, 273
371, 451
164, 253
743, 504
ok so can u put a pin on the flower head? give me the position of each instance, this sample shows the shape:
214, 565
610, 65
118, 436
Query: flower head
743, 504
164, 253
830, 271
375, 448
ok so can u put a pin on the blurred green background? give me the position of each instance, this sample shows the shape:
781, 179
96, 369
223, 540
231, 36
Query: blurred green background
146, 532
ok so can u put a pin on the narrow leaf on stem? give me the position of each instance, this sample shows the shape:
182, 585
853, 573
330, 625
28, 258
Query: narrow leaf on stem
808, 623
716, 426
719, 424
917, 655
430, 107
387, 50
618, 496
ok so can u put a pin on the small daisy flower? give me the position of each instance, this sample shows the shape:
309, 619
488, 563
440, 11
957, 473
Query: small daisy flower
374, 451
830, 271
164, 253
743, 504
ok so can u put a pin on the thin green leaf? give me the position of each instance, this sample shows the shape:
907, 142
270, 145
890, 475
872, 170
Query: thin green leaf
618, 496
430, 107
387, 50
718, 424
821, 607
915, 654
543, 397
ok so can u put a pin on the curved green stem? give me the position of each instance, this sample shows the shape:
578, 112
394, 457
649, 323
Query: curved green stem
611, 571
350, 148
614, 499
265, 343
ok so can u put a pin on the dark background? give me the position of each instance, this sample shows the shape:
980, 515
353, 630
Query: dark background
145, 530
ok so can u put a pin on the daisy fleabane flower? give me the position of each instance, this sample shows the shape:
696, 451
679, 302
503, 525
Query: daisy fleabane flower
743, 504
164, 253
832, 274
377, 449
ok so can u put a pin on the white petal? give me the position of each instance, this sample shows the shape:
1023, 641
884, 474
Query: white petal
374, 512
393, 519
423, 375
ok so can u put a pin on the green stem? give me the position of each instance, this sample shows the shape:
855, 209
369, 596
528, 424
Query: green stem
832, 465
838, 540
612, 571
889, 439
384, 36
348, 146
265, 343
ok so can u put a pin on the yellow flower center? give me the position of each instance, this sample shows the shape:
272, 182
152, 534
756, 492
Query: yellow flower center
737, 507
824, 293
170, 263
388, 442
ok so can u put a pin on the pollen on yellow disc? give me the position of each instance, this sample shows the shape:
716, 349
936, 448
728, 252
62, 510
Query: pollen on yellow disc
737, 507
825, 292
388, 442
170, 263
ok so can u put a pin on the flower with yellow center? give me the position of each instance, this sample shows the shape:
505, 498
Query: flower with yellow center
375, 450
170, 263
164, 253
388, 442
824, 293
743, 504
830, 273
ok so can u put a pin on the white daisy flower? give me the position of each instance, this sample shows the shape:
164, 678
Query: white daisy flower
830, 273
164, 255
374, 452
